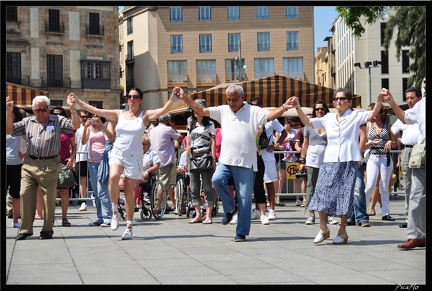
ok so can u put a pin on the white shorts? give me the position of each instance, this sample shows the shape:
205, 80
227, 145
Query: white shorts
131, 162
270, 173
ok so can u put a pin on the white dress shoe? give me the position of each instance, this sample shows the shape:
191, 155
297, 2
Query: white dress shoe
321, 236
341, 240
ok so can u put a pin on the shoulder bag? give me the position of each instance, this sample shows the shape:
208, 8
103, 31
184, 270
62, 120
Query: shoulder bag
418, 156
201, 163
66, 177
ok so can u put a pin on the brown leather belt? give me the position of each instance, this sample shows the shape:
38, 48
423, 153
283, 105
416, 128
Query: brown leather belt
408, 146
198, 153
41, 158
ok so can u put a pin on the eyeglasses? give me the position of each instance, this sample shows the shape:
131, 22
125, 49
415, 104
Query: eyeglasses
83, 116
56, 113
340, 99
133, 96
319, 109
37, 110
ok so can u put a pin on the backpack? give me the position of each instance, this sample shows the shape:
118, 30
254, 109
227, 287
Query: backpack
263, 140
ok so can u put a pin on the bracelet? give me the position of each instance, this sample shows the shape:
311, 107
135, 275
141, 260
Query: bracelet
72, 110
301, 161
284, 108
297, 107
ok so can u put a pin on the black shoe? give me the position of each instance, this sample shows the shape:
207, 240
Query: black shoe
45, 236
228, 216
23, 236
95, 223
240, 238
403, 225
388, 217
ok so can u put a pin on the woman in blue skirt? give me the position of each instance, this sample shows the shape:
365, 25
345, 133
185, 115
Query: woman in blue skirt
334, 192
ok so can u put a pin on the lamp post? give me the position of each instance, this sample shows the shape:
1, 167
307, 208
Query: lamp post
238, 63
368, 65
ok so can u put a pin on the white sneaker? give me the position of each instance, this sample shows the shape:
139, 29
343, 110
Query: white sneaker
115, 221
83, 207
255, 214
264, 220
331, 220
234, 220
127, 234
310, 220
272, 215
94, 201
16, 225
298, 202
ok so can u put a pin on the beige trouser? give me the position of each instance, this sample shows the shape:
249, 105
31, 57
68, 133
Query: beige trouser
34, 173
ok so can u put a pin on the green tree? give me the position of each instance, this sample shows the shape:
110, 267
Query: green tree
407, 22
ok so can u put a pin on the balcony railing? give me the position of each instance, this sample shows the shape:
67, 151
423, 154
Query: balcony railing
18, 79
94, 30
56, 83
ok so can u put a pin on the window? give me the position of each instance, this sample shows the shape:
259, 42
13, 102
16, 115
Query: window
97, 104
384, 64
263, 41
263, 68
130, 51
177, 71
11, 13
54, 20
206, 71
404, 87
232, 69
205, 43
176, 13
385, 83
55, 103
262, 12
54, 71
94, 27
130, 25
292, 12
204, 13
95, 74
13, 67
176, 44
405, 61
293, 68
292, 40
383, 26
233, 42
233, 12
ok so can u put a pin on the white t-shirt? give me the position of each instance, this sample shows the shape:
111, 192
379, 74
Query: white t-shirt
238, 147
271, 126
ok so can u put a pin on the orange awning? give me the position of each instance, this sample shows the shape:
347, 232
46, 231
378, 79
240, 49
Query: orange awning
22, 95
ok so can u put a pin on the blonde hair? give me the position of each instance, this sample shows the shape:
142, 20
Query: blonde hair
146, 139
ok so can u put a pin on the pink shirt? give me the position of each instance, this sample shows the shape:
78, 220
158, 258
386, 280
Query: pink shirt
97, 145
65, 141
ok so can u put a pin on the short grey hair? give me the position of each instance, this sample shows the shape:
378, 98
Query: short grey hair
235, 88
41, 98
164, 117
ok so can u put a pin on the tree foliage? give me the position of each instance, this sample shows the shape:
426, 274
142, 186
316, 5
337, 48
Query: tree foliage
408, 23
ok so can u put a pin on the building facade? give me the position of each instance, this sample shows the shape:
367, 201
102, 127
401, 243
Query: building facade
364, 67
199, 47
63, 49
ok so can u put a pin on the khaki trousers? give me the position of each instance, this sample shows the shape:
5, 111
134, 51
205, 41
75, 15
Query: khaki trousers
34, 173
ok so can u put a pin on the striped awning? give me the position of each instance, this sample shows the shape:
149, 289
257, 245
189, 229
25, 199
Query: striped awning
22, 95
273, 91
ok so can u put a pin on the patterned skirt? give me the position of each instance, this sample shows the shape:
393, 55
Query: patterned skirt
334, 191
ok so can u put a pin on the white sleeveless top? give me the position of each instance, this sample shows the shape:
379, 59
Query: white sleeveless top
129, 134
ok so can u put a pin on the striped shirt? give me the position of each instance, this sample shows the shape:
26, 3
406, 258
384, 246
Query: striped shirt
43, 141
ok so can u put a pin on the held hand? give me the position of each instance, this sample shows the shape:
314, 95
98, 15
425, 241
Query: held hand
9, 104
292, 102
178, 92
72, 99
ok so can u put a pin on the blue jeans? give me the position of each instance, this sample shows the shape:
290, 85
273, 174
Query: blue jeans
101, 194
359, 214
244, 184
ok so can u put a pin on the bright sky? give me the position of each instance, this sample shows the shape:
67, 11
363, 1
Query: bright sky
324, 17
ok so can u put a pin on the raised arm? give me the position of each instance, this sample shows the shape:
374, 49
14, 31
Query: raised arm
9, 118
189, 102
294, 101
109, 114
153, 114
388, 97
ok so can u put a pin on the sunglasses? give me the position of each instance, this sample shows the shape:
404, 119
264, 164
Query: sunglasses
56, 113
133, 96
340, 99
83, 116
37, 110
319, 109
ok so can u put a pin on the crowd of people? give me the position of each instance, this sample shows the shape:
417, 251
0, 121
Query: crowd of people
329, 150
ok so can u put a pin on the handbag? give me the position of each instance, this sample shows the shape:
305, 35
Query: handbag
263, 140
201, 164
66, 177
418, 156
366, 155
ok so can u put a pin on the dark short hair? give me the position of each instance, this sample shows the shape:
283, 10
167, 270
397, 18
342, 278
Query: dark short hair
416, 91
257, 101
17, 112
326, 109
63, 112
347, 92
